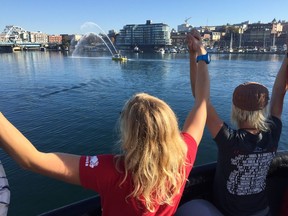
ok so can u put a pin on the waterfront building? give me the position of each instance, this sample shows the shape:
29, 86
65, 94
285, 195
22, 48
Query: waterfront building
282, 39
262, 34
215, 36
185, 27
38, 37
2, 37
178, 39
285, 27
66, 39
112, 34
203, 29
76, 37
70, 40
56, 39
145, 36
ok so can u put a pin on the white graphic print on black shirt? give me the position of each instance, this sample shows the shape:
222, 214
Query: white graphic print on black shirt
249, 177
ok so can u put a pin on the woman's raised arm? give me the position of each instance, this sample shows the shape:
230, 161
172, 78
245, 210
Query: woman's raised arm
195, 122
61, 166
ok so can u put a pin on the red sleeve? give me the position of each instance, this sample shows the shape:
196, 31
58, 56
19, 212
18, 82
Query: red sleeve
192, 147
96, 172
284, 208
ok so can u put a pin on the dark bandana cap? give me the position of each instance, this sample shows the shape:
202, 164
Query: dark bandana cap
251, 96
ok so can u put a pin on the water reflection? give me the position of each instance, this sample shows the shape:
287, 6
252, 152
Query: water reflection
247, 57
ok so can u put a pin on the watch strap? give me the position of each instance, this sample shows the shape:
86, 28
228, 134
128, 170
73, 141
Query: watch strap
204, 57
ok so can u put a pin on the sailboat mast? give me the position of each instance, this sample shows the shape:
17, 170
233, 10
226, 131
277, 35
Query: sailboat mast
231, 42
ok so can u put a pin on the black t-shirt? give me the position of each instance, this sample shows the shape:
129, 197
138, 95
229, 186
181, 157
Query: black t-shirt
242, 167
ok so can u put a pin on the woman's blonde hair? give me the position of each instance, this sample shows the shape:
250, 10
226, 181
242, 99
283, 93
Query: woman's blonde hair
257, 119
154, 151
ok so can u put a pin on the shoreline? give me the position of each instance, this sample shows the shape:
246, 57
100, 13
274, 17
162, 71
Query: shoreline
249, 53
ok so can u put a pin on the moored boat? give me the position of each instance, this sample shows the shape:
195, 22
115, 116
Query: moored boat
173, 50
43, 49
199, 186
137, 50
161, 51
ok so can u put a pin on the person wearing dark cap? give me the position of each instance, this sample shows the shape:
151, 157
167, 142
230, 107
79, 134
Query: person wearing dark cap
245, 153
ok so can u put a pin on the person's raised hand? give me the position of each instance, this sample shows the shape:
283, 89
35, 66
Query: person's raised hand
194, 43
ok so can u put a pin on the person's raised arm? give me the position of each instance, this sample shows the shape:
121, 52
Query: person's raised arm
195, 121
61, 166
279, 89
214, 123
192, 59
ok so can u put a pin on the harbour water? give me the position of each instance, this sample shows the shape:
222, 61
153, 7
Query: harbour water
71, 104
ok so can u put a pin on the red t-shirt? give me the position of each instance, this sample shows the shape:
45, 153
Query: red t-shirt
284, 207
99, 174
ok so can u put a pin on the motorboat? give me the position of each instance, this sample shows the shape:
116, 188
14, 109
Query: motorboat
199, 186
173, 50
137, 50
161, 50
119, 57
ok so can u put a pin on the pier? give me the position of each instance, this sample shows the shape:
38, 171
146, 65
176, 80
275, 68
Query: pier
11, 47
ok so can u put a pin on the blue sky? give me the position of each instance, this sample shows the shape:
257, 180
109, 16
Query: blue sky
57, 17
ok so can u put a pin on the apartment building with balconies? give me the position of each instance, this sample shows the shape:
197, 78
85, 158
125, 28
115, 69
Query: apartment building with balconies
145, 36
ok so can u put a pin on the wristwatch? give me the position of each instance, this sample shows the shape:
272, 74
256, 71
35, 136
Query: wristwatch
206, 58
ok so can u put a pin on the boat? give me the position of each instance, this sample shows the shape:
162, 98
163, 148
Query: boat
173, 50
119, 57
273, 48
16, 48
161, 51
199, 186
43, 49
137, 50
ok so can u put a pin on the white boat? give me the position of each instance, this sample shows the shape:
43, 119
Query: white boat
161, 50
137, 50
273, 48
173, 50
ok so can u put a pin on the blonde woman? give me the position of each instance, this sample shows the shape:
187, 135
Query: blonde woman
245, 153
149, 177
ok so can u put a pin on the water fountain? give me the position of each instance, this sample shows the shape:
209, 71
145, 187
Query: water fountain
93, 40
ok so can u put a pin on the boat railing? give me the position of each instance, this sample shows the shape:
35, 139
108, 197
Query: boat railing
199, 186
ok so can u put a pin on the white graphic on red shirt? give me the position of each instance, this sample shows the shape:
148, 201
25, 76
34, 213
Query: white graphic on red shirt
91, 161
